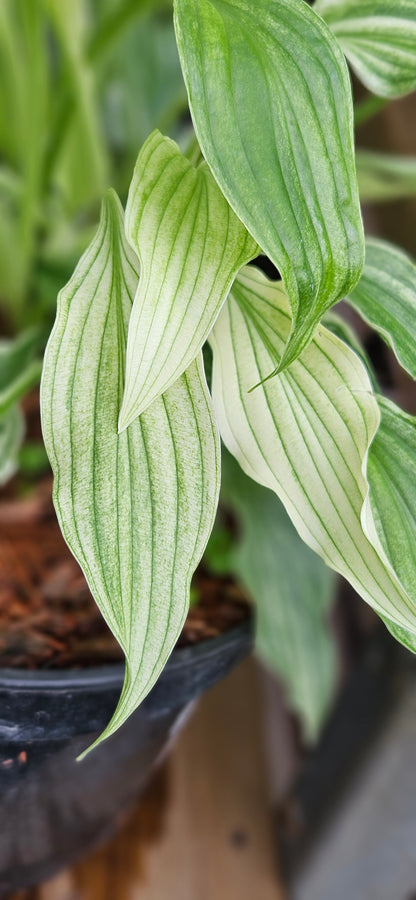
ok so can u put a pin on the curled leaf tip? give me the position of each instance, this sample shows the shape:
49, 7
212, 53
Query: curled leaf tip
286, 165
191, 246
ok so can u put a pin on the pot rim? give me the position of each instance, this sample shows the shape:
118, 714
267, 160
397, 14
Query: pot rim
112, 674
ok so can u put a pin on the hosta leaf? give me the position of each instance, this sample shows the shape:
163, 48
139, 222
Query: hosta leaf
379, 39
391, 506
191, 245
385, 297
19, 369
292, 589
392, 480
136, 509
305, 434
382, 177
11, 436
271, 102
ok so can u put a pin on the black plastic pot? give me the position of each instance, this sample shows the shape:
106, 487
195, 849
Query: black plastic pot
53, 810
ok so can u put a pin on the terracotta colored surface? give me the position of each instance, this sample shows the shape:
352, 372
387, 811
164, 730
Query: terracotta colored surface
47, 615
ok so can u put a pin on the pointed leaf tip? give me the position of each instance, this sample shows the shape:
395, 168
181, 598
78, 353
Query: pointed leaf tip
305, 434
191, 246
119, 498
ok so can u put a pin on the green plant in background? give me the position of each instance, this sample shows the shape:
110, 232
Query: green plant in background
71, 74
131, 429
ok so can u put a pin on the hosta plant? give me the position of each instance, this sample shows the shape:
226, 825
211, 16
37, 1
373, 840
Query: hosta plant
311, 450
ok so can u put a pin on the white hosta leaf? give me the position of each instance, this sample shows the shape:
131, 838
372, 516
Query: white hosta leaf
392, 480
136, 509
11, 436
270, 97
191, 246
378, 38
292, 590
305, 434
392, 498
385, 297
383, 177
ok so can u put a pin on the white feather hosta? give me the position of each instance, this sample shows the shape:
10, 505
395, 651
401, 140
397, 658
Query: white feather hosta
392, 499
191, 246
305, 434
271, 103
378, 38
136, 508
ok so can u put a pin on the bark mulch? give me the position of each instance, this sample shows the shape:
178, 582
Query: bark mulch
48, 618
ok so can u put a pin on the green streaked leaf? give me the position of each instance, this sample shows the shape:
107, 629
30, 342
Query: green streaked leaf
385, 297
392, 479
136, 509
270, 97
305, 434
11, 436
191, 246
19, 370
378, 38
338, 325
292, 589
382, 177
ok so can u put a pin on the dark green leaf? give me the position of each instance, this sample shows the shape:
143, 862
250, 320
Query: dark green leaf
191, 246
306, 435
271, 102
392, 479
